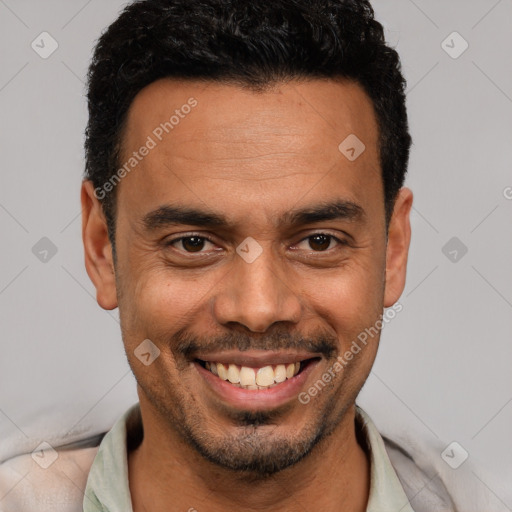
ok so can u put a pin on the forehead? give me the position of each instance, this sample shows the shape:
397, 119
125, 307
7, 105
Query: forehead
317, 107
214, 142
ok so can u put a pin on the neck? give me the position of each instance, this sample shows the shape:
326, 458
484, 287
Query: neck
164, 471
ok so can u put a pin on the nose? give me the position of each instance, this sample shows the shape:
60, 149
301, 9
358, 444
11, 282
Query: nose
256, 295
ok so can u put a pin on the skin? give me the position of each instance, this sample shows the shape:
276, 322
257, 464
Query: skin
250, 157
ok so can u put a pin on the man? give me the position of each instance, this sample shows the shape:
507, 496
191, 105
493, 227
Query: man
243, 207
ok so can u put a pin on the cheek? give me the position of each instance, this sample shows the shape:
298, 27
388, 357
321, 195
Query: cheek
159, 303
349, 297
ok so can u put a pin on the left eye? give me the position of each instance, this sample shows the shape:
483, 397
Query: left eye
320, 241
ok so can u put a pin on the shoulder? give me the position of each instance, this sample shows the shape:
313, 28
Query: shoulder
57, 479
424, 489
432, 485
26, 485
428, 480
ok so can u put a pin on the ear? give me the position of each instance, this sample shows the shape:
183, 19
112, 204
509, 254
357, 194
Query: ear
97, 248
399, 238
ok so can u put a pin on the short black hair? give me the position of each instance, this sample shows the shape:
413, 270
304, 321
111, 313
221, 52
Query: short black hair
252, 43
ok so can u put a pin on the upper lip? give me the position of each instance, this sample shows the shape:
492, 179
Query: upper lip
255, 358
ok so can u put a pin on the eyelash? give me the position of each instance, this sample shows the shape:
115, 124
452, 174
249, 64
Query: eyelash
341, 242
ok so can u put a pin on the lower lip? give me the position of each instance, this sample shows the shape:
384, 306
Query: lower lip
257, 399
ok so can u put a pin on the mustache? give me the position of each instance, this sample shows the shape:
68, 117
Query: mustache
187, 344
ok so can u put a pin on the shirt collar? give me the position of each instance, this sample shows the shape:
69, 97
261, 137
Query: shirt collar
108, 489
386, 491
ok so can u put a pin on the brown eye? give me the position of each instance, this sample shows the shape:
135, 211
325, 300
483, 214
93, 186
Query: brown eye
193, 243
190, 244
320, 242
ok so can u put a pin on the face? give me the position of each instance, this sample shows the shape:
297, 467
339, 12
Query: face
251, 252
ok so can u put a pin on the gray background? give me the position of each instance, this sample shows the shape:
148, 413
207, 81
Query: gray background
443, 372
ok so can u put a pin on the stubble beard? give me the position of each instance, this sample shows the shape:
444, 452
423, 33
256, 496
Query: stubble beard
257, 450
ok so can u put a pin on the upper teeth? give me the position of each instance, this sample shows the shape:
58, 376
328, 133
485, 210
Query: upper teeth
254, 378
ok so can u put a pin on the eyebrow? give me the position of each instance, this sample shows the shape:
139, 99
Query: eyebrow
177, 215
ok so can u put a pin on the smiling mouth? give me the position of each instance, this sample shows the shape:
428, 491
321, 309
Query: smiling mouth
248, 377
